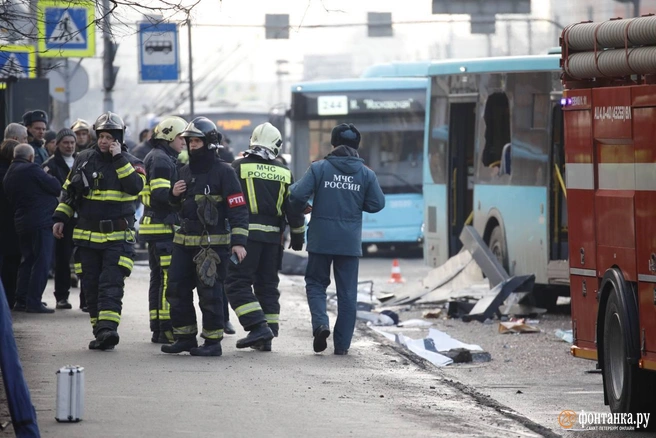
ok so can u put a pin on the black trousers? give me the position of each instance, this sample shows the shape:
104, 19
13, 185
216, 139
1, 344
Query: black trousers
104, 271
63, 253
36, 252
258, 272
180, 290
9, 275
159, 260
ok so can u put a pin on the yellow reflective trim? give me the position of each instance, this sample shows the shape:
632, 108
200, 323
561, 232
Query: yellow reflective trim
110, 195
265, 171
65, 208
153, 314
240, 231
164, 315
281, 199
108, 315
252, 199
160, 183
298, 230
97, 237
165, 262
66, 183
272, 318
214, 239
145, 199
264, 228
125, 171
165, 303
126, 262
248, 308
148, 228
93, 321
186, 330
78, 268
212, 334
217, 198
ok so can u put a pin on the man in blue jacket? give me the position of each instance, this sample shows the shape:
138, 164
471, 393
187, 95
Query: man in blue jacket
342, 187
33, 195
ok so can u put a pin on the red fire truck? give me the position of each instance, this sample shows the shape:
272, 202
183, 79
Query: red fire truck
609, 106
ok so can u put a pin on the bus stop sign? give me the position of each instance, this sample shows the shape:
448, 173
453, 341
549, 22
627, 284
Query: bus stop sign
158, 52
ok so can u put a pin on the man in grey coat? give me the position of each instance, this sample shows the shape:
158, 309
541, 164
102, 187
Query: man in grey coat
342, 187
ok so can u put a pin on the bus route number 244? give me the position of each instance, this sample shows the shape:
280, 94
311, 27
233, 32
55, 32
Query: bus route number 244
332, 105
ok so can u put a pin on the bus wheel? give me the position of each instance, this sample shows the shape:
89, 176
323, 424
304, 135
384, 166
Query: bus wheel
621, 378
498, 247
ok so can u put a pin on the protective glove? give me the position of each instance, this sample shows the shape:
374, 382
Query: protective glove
297, 241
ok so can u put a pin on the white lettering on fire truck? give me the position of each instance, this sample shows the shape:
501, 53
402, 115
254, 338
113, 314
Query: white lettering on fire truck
622, 113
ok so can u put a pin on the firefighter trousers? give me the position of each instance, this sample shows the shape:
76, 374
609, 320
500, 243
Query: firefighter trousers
159, 260
258, 272
182, 281
103, 281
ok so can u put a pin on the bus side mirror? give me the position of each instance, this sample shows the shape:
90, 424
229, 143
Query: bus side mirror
506, 159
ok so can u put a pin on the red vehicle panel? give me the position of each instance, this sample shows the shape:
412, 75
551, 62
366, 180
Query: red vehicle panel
583, 291
647, 303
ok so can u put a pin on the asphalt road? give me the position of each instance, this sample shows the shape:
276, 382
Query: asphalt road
136, 391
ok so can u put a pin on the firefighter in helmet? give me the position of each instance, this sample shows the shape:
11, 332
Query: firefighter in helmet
102, 187
265, 182
156, 225
82, 131
213, 223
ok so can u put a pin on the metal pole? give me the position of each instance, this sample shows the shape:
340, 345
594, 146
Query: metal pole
530, 37
67, 93
108, 71
636, 8
489, 44
508, 38
191, 72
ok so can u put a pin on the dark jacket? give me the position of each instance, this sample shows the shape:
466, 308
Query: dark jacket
33, 195
102, 188
8, 236
343, 187
217, 179
266, 187
40, 152
161, 173
57, 167
143, 149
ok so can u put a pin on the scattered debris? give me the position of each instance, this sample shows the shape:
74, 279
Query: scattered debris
391, 314
565, 335
433, 314
459, 355
415, 323
518, 326
374, 318
385, 297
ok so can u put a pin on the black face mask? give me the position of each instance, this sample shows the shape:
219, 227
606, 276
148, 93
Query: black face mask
201, 160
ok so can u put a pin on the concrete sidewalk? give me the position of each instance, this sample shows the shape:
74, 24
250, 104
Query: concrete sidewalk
137, 391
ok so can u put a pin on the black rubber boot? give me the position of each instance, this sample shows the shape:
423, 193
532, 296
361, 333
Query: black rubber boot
320, 336
229, 329
180, 345
258, 335
155, 338
262, 346
209, 348
105, 340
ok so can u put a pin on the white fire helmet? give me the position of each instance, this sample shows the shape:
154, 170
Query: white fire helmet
169, 128
268, 137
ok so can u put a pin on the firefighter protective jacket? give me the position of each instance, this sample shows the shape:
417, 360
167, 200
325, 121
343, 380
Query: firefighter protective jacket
266, 186
103, 190
220, 182
159, 216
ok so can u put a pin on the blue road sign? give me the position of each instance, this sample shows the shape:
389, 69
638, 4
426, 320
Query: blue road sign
158, 52
66, 30
17, 61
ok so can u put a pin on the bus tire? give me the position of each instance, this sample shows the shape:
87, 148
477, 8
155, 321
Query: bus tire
622, 378
498, 247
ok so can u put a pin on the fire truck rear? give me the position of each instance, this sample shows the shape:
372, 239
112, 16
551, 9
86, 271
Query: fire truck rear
609, 105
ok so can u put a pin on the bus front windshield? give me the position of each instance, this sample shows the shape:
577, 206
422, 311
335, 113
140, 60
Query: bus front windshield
391, 147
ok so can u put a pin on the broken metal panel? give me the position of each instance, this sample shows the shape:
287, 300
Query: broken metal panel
487, 307
479, 250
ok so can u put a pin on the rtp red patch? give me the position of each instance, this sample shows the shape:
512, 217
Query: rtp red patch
236, 200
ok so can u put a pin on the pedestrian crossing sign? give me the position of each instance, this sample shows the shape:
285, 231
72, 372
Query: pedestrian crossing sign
66, 29
17, 61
